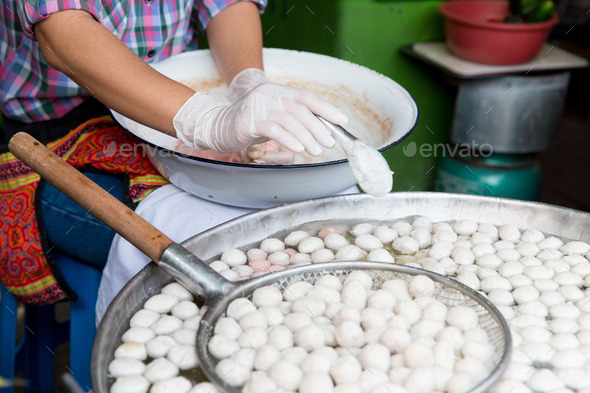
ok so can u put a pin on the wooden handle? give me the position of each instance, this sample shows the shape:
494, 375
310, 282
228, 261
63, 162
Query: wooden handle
89, 195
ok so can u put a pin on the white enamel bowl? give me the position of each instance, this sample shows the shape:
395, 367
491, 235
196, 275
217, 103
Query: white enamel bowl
380, 111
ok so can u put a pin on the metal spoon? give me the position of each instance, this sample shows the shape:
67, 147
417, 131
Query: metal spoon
368, 166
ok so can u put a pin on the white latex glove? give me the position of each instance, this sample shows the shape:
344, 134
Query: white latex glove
269, 111
246, 81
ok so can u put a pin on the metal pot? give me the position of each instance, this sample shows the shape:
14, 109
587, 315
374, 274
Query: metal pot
312, 215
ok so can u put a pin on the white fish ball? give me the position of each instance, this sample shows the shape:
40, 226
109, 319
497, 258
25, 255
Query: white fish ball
362, 229
254, 337
462, 255
449, 266
381, 299
230, 275
513, 386
568, 278
405, 245
581, 269
234, 257
221, 347
315, 363
375, 357
548, 254
329, 281
568, 358
280, 337
489, 229
422, 236
349, 252
159, 346
296, 321
297, 290
538, 351
403, 228
322, 255
479, 350
228, 327
508, 254
584, 337
310, 337
462, 317
280, 258
532, 235
464, 227
497, 282
536, 334
380, 255
219, 266
566, 310
143, 318
441, 250
266, 296
125, 366
485, 272
561, 341
426, 328
489, 260
130, 384
575, 247
550, 242
444, 355
398, 375
398, 321
166, 325
520, 280
564, 325
501, 297
478, 238
286, 375
300, 259
177, 384
131, 350
293, 238
253, 319
361, 276
432, 265
368, 242
271, 245
254, 254
408, 309
373, 318
465, 243
185, 336
539, 273
316, 383
544, 380
395, 339
399, 289
385, 234
185, 310
470, 279
574, 377
546, 285
481, 249
350, 334
160, 369
232, 373
273, 315
371, 379
421, 285
422, 222
310, 244
161, 303
418, 355
527, 249
434, 310
325, 294
510, 268
420, 380
444, 237
178, 290
509, 232
266, 356
354, 295
571, 292
138, 335
574, 259
441, 226
335, 241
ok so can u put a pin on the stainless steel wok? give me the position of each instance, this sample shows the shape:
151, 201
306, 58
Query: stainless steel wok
249, 230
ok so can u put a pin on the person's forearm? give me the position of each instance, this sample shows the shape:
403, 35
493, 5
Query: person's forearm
235, 39
76, 44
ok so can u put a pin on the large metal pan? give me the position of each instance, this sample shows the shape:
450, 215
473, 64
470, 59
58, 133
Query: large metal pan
381, 113
249, 230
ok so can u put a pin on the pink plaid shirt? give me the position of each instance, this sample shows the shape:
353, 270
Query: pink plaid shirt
30, 90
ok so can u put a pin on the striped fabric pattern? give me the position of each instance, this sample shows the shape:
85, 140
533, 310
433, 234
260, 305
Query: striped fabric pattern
30, 90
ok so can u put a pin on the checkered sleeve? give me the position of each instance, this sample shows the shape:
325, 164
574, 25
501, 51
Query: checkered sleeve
207, 9
33, 11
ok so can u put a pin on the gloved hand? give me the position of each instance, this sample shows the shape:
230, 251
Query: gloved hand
269, 111
245, 81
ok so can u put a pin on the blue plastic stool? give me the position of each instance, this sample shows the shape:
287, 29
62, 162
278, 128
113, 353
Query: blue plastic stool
34, 353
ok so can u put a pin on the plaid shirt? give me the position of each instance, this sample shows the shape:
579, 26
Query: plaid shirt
30, 90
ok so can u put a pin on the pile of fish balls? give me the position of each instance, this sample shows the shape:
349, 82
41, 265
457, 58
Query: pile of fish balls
538, 282
351, 336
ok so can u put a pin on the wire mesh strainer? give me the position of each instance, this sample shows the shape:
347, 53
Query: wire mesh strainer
448, 291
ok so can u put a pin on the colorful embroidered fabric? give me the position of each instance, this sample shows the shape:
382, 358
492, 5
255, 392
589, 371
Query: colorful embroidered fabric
26, 265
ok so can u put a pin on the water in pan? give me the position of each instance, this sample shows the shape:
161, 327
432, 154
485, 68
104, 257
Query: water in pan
541, 291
